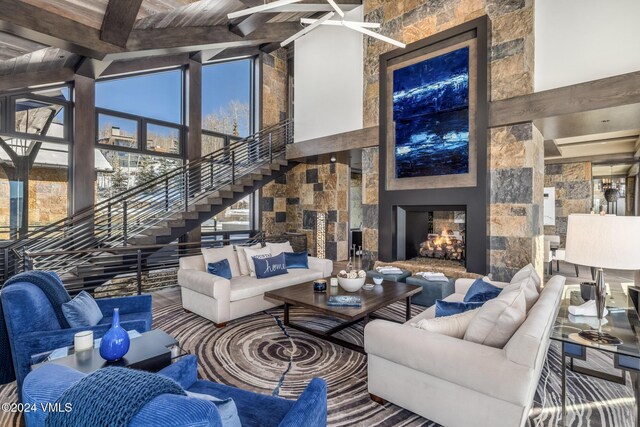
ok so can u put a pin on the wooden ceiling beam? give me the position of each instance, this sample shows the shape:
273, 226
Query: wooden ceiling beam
36, 78
118, 21
92, 68
248, 24
23, 20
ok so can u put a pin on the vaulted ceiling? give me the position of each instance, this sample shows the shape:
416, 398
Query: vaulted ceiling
89, 35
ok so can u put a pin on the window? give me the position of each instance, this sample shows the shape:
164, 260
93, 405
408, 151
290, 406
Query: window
117, 131
163, 139
34, 160
226, 97
235, 217
155, 95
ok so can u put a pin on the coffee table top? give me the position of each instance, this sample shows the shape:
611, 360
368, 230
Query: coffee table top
144, 348
380, 296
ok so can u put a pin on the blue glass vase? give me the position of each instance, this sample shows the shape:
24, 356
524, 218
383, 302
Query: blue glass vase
115, 343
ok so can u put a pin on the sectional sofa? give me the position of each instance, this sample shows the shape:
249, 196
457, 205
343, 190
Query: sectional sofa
220, 300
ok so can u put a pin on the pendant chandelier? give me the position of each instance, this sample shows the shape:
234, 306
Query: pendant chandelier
611, 194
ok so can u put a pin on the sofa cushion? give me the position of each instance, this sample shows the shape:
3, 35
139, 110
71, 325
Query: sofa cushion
531, 293
527, 271
242, 258
430, 312
250, 253
450, 308
498, 319
226, 408
212, 255
297, 259
220, 268
82, 311
481, 291
453, 326
247, 286
269, 267
278, 248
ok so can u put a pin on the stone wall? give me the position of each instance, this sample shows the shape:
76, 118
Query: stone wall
275, 93
515, 153
370, 179
292, 202
573, 185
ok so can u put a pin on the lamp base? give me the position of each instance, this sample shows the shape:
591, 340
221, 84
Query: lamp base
601, 338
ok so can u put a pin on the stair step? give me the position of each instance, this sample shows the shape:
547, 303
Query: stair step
225, 194
157, 231
281, 162
191, 214
275, 166
142, 240
266, 171
214, 200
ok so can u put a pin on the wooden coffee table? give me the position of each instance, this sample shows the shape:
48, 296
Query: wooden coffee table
379, 297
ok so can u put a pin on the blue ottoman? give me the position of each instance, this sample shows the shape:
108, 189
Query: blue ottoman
432, 290
390, 277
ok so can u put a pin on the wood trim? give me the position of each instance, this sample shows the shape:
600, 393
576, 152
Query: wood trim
594, 95
361, 138
118, 21
146, 64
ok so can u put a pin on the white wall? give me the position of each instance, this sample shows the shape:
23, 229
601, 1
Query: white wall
582, 40
328, 81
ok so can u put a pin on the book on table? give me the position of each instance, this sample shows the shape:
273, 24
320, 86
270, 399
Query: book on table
344, 301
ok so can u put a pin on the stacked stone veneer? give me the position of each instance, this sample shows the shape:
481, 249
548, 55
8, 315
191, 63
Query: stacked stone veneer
573, 185
516, 155
275, 94
292, 203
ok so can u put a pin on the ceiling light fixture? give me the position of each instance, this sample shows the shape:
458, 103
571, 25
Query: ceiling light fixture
308, 21
307, 29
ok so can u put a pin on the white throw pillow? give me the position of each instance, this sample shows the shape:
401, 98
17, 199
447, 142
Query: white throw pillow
526, 271
278, 248
531, 293
218, 254
242, 258
453, 326
250, 253
498, 319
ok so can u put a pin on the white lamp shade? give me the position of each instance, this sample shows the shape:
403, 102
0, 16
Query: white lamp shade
607, 241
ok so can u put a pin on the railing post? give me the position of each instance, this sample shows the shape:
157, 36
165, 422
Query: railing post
166, 194
109, 221
233, 167
124, 221
186, 189
139, 272
270, 148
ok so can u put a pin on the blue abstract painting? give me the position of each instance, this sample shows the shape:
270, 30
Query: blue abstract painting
431, 116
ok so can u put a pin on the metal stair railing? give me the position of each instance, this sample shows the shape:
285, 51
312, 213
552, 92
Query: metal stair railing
114, 221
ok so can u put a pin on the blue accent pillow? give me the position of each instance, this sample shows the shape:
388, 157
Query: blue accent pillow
82, 311
269, 267
220, 268
226, 408
296, 259
449, 308
481, 291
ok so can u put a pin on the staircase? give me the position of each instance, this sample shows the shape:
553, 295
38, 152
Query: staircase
156, 212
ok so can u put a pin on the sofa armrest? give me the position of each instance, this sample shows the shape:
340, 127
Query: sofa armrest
126, 305
310, 410
320, 264
474, 366
184, 371
205, 283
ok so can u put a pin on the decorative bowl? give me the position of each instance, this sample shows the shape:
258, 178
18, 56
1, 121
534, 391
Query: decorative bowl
378, 280
351, 285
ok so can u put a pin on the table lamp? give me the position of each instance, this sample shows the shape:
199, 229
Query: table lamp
603, 241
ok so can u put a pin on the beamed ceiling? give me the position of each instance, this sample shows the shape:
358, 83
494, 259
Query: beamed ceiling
87, 36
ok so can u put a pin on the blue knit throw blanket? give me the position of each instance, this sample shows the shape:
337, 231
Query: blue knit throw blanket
53, 288
109, 397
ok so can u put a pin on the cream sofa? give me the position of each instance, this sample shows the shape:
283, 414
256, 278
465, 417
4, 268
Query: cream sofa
460, 383
221, 300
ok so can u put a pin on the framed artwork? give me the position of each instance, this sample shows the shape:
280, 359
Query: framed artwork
430, 118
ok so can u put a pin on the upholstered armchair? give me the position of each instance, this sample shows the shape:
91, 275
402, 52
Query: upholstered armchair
45, 385
33, 327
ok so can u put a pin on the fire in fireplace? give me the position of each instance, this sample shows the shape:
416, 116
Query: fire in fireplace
448, 244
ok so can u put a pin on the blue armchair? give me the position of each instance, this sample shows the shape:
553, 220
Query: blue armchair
33, 327
46, 384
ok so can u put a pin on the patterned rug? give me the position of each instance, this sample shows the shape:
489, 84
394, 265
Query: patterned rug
257, 353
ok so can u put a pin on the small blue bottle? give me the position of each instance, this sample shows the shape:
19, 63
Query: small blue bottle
115, 343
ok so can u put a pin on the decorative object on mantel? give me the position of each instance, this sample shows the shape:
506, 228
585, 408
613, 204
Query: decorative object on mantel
361, 27
607, 241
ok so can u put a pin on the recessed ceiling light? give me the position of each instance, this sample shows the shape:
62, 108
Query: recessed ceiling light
606, 121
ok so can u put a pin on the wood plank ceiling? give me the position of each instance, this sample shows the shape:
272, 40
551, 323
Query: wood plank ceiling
46, 35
